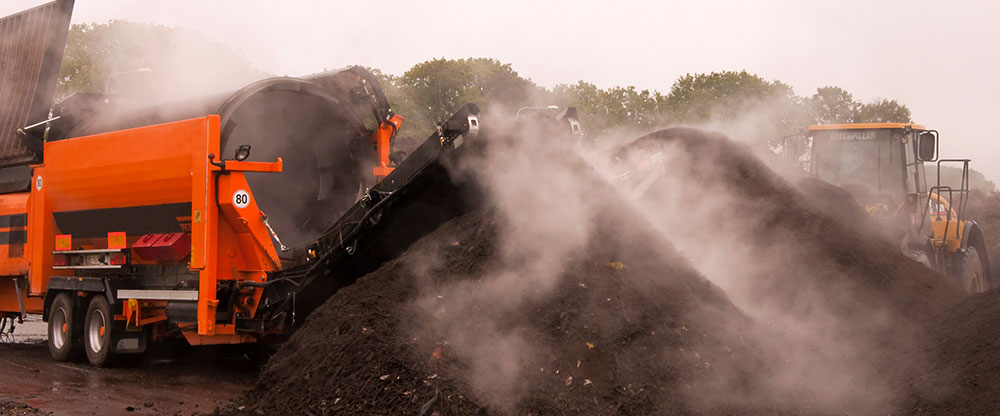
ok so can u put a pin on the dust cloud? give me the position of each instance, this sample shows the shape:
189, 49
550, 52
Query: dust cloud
153, 64
752, 224
771, 275
820, 297
527, 174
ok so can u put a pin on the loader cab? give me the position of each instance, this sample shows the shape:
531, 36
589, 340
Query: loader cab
878, 163
882, 166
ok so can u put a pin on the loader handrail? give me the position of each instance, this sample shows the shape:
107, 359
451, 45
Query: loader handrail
963, 185
935, 193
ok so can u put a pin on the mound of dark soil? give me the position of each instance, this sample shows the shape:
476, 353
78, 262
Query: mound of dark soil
965, 346
838, 204
9, 408
841, 298
629, 329
814, 226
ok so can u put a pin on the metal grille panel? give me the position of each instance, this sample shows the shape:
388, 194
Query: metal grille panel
31, 50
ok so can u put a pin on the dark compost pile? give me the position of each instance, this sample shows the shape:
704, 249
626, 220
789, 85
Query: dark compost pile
630, 326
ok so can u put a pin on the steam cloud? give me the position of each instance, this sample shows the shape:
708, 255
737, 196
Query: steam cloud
825, 334
526, 176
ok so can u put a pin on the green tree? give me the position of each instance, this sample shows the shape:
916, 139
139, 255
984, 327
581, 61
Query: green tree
174, 62
439, 86
883, 111
722, 94
603, 109
417, 123
431, 90
765, 110
831, 105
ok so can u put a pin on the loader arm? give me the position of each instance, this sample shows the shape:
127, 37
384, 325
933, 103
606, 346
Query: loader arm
388, 121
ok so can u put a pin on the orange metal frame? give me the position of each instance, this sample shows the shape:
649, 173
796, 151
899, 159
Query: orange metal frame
383, 145
161, 164
14, 259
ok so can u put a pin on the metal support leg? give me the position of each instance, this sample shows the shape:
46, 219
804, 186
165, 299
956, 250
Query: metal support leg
20, 299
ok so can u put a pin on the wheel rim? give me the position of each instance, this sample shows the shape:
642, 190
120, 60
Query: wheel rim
976, 281
95, 330
59, 327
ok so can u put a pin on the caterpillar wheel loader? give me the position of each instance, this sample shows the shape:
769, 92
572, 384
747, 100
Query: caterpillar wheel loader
882, 166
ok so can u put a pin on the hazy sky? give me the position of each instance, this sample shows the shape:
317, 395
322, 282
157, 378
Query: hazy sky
939, 58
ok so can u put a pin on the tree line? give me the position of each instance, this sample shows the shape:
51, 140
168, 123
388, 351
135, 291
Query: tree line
102, 56
430, 90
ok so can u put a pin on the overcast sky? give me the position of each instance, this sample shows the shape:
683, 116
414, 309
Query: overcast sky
939, 58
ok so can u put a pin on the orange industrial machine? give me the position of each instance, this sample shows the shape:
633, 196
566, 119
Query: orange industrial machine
143, 220
122, 223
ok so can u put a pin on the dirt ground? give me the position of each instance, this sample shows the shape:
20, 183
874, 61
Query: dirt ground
10, 408
965, 345
188, 381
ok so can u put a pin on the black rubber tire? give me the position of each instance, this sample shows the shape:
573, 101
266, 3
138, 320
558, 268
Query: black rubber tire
970, 272
98, 331
63, 330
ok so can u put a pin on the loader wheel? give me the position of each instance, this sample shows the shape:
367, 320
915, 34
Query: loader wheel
970, 273
63, 337
97, 332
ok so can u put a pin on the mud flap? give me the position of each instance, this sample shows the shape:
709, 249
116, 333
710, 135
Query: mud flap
20, 297
130, 342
